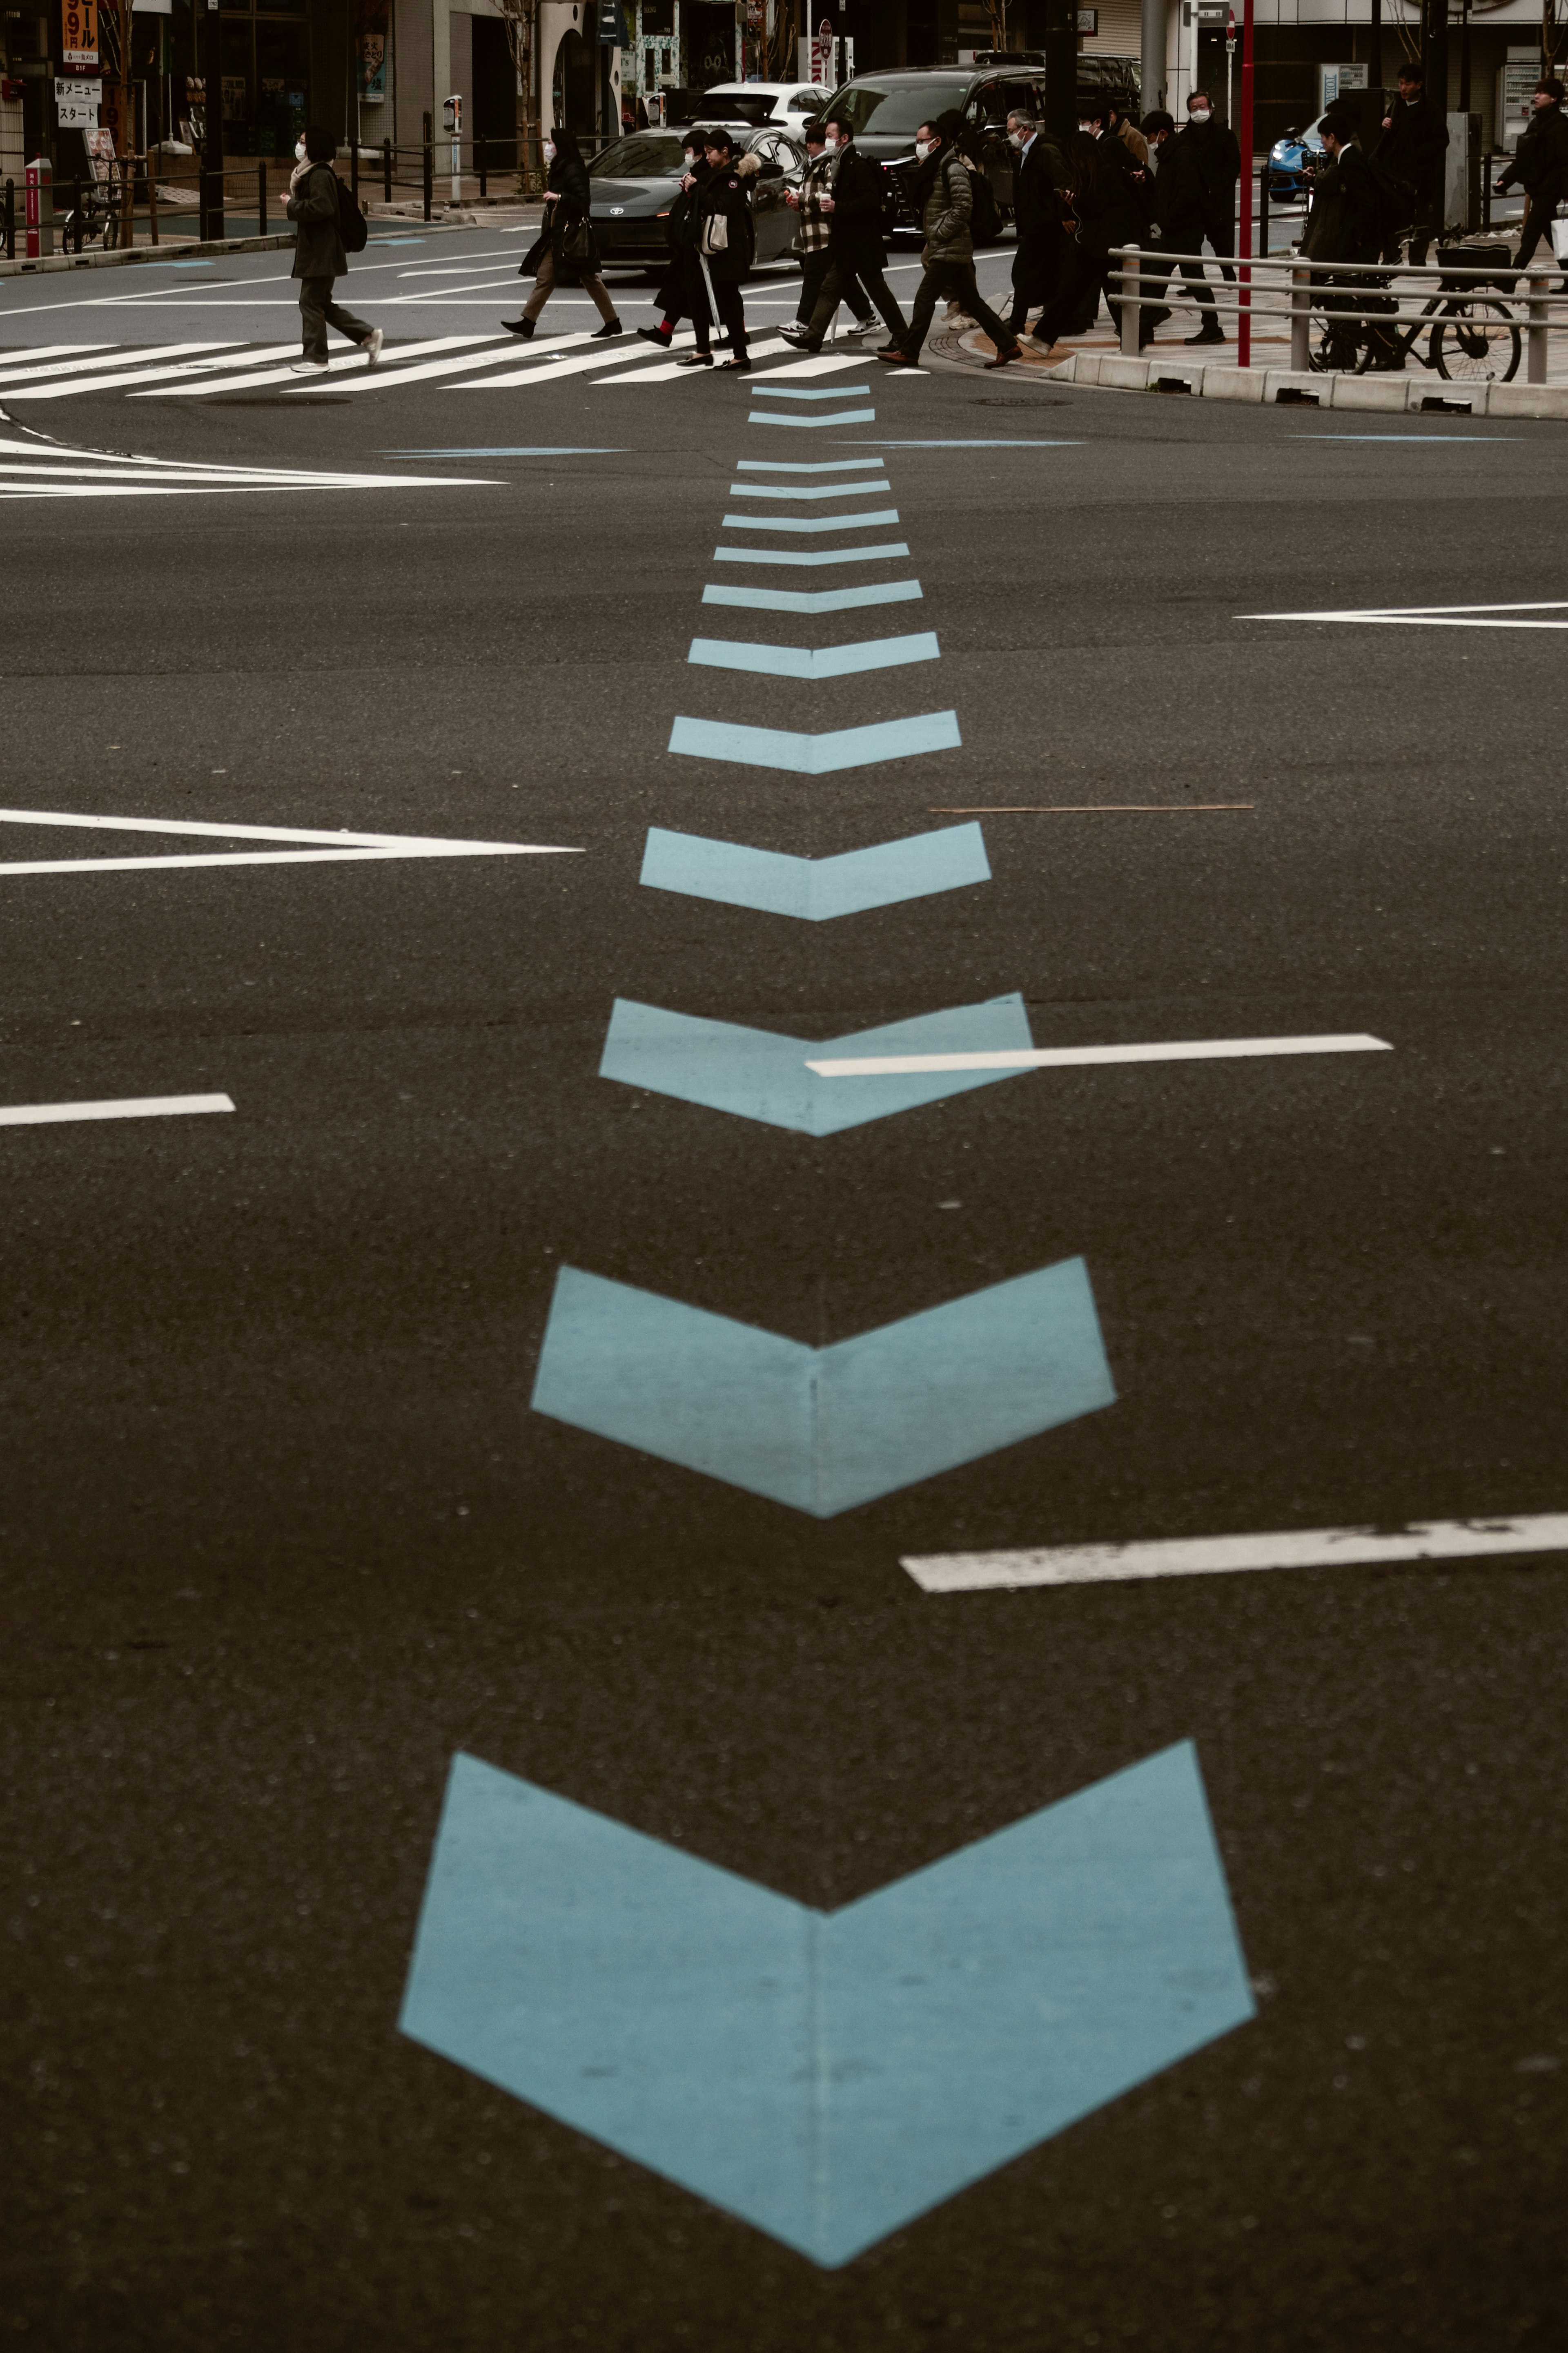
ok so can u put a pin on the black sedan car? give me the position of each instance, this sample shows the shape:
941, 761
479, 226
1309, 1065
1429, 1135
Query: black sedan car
634, 185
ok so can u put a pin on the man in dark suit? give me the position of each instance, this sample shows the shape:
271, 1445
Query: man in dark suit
856, 251
1214, 148
1039, 182
1415, 137
1179, 219
1110, 206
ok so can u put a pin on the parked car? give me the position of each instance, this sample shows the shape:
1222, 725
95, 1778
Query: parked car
633, 186
888, 109
791, 104
1290, 162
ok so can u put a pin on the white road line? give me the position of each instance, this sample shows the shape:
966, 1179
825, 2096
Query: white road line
816, 364
120, 380
106, 355
1429, 617
979, 1572
22, 355
337, 848
125, 1107
665, 375
1065, 1058
335, 367
387, 379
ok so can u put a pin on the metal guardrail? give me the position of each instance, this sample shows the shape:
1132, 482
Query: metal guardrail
1295, 278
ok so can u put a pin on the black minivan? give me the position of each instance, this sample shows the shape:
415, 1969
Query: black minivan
888, 109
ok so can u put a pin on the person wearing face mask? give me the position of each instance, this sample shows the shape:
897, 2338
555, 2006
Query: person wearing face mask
566, 243
813, 202
1040, 182
1110, 208
1178, 205
940, 193
1540, 166
856, 256
319, 255
726, 240
684, 293
1214, 148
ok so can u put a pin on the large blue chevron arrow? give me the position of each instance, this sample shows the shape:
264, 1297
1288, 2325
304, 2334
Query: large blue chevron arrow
822, 1430
815, 755
758, 1074
815, 889
826, 2076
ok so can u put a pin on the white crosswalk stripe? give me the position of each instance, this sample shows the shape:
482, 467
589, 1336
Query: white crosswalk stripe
474, 363
41, 470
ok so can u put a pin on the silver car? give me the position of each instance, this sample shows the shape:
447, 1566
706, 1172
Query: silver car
634, 183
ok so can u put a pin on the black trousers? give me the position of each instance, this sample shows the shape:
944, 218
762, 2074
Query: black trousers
318, 311
813, 275
1089, 274
1221, 235
1037, 268
1157, 274
731, 310
1537, 222
859, 287
684, 294
953, 281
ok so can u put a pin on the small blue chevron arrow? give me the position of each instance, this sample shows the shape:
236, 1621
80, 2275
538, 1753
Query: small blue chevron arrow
815, 424
815, 889
815, 755
814, 661
826, 2076
758, 1074
822, 1430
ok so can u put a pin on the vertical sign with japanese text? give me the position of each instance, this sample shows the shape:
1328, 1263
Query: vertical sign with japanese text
78, 25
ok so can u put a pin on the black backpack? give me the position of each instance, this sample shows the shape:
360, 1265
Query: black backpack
352, 225
985, 213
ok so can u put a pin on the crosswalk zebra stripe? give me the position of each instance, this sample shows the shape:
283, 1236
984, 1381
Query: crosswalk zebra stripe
674, 369
335, 367
29, 356
18, 383
387, 379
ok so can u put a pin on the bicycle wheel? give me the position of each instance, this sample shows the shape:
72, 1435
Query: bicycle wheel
1476, 342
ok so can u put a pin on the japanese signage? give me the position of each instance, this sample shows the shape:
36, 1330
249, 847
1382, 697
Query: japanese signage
77, 102
371, 43
78, 27
612, 25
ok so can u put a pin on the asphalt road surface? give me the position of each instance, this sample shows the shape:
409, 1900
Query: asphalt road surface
1252, 2030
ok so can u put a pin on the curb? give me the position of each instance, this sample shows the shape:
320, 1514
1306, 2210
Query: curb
1289, 387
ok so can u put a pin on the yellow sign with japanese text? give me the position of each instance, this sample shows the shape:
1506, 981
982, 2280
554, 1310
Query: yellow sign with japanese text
79, 23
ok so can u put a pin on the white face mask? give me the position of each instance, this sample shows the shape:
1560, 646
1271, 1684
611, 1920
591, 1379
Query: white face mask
299, 151
1199, 114
831, 145
1090, 128
1016, 137
924, 148
549, 152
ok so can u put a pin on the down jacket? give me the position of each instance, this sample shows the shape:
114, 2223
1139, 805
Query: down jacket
727, 195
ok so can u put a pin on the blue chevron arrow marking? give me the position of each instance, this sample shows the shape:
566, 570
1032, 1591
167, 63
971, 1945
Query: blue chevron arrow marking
816, 889
824, 1429
815, 755
814, 661
814, 600
792, 392
815, 424
826, 2076
757, 1074
885, 551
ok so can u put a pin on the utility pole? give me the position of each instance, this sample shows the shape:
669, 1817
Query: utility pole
1153, 92
212, 146
1435, 50
1060, 50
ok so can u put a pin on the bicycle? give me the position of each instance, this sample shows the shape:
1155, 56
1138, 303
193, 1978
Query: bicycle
1472, 335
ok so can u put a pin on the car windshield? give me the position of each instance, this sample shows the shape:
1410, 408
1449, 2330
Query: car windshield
891, 112
651, 155
731, 105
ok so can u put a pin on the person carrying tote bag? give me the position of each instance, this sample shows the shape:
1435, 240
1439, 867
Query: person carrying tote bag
566, 243
726, 244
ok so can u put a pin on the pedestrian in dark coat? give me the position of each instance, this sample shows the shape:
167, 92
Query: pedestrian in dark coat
857, 256
1178, 219
565, 246
1110, 208
942, 197
1215, 149
1540, 166
319, 255
1345, 225
684, 293
1040, 181
813, 239
1414, 138
727, 240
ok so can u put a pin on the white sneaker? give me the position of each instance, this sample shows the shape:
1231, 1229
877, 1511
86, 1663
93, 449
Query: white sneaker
861, 329
373, 343
308, 367
796, 334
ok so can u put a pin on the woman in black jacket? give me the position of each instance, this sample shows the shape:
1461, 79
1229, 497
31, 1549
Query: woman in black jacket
566, 243
727, 243
683, 293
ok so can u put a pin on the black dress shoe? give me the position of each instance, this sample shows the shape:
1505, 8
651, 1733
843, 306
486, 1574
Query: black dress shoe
1207, 335
695, 359
610, 327
742, 365
523, 327
656, 335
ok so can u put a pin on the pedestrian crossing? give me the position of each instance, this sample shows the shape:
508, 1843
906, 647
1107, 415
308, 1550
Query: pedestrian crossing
206, 371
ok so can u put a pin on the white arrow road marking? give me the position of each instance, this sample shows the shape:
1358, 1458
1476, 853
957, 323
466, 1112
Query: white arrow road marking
124, 1107
977, 1572
336, 846
1430, 616
1064, 1057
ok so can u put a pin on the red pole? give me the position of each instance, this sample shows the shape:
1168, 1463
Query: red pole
1244, 321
